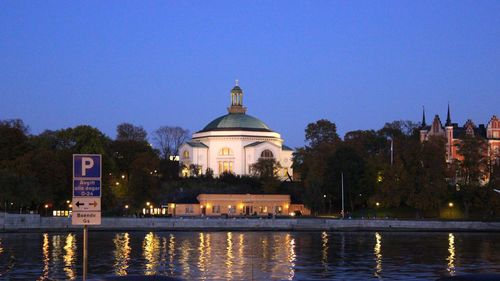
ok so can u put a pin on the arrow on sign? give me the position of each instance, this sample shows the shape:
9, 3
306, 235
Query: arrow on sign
93, 204
78, 204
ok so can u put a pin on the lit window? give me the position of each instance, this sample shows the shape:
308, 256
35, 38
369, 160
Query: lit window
226, 151
267, 154
185, 154
225, 167
216, 209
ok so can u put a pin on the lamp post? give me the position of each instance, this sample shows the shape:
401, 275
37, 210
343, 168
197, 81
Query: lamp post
342, 179
392, 149
46, 208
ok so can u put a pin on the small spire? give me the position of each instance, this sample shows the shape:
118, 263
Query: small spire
237, 82
423, 116
448, 118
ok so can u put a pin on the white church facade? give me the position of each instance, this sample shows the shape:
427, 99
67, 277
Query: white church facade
233, 143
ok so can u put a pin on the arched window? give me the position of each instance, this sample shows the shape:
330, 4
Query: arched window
225, 151
267, 154
185, 154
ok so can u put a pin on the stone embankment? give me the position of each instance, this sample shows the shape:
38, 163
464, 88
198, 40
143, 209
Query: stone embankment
15, 222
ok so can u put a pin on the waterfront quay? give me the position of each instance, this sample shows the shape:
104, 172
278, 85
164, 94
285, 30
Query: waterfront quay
34, 222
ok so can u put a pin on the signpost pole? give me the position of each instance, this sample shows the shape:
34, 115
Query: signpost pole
87, 171
85, 251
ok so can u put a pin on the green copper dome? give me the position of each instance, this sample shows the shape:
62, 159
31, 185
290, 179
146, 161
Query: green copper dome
236, 122
236, 89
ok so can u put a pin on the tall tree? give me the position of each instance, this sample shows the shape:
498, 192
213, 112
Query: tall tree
321, 132
169, 139
129, 132
311, 161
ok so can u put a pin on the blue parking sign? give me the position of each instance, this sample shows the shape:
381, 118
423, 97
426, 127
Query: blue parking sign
86, 166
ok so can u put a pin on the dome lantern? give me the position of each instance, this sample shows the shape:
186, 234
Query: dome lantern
237, 100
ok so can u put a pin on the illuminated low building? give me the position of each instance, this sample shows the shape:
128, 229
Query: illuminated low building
236, 205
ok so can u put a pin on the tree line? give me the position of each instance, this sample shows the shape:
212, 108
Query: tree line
36, 170
382, 170
391, 168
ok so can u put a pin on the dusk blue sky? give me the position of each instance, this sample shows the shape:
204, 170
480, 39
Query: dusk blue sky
153, 63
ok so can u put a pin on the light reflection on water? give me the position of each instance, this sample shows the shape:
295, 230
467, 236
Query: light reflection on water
69, 257
451, 256
151, 252
378, 254
252, 255
121, 253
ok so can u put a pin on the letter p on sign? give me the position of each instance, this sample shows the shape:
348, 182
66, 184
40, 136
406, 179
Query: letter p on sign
87, 163
87, 166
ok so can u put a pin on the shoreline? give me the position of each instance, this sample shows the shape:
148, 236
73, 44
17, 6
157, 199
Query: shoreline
36, 223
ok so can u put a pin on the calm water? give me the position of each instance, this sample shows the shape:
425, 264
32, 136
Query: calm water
250, 255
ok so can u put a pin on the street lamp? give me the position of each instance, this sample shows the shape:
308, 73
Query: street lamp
450, 204
46, 207
392, 149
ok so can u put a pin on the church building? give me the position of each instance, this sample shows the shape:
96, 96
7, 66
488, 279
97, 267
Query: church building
233, 142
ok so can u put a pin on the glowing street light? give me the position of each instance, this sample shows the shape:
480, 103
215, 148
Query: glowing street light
377, 204
450, 204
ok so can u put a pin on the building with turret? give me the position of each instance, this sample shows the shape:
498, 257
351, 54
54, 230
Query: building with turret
453, 134
233, 143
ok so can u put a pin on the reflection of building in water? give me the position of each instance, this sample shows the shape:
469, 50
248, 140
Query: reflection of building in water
151, 253
324, 249
171, 254
46, 257
229, 255
184, 258
451, 254
202, 253
121, 253
378, 254
69, 256
292, 256
238, 205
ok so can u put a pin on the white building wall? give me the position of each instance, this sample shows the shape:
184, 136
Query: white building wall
242, 157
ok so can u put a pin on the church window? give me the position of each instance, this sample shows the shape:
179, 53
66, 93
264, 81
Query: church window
185, 154
495, 135
267, 154
226, 151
